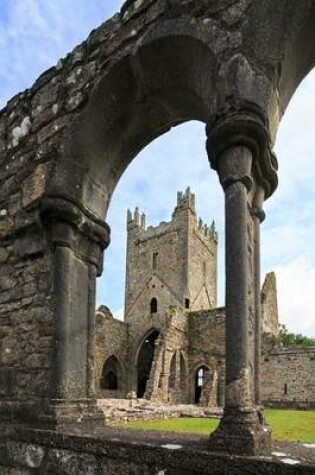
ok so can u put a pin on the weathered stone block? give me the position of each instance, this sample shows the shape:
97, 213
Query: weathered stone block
34, 185
28, 245
37, 361
26, 455
8, 353
4, 254
65, 462
7, 381
14, 471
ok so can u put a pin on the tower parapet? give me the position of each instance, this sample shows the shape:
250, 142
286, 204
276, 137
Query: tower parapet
136, 219
208, 231
174, 263
185, 200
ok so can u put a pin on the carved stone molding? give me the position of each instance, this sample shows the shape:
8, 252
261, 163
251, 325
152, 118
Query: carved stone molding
74, 228
244, 127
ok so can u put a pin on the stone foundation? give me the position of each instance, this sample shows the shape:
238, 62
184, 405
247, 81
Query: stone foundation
48, 453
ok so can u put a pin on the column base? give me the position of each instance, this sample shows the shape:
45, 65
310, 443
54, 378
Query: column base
62, 413
241, 432
52, 414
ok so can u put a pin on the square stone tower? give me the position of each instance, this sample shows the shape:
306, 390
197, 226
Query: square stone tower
174, 263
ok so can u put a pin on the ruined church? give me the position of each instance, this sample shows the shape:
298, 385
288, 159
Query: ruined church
65, 142
170, 348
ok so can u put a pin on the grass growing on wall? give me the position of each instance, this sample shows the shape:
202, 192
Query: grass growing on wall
286, 425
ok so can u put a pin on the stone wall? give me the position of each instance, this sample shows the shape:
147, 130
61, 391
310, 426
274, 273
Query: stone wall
190, 340
48, 453
207, 348
288, 377
202, 268
111, 339
174, 262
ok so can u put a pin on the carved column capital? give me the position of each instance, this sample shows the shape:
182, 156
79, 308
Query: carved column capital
245, 127
75, 228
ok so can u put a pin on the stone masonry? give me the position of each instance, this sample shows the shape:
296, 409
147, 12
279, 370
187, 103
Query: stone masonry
175, 264
64, 144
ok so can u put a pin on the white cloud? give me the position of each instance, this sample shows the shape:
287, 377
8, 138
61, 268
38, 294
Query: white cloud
296, 284
288, 235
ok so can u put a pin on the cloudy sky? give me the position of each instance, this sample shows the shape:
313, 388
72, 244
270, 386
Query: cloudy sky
36, 33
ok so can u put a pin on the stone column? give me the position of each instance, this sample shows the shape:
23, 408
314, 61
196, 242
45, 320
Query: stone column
258, 217
77, 243
238, 149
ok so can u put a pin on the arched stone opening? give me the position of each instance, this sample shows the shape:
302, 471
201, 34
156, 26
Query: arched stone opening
111, 374
145, 359
137, 100
201, 374
162, 82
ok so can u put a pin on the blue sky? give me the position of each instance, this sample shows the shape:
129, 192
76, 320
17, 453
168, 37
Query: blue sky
36, 33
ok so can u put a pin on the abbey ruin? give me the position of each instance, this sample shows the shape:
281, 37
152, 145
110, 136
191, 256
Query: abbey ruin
171, 346
64, 144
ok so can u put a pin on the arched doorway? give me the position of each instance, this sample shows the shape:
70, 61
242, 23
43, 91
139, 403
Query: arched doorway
144, 361
110, 374
200, 377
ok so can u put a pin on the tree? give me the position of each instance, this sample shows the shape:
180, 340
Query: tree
291, 339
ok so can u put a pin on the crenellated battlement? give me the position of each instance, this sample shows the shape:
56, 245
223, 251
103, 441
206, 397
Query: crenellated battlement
208, 231
180, 253
185, 201
136, 219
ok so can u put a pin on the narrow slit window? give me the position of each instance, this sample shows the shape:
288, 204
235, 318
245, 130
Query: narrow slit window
154, 305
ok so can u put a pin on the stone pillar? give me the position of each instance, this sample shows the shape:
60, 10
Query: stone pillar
177, 378
77, 243
238, 147
258, 217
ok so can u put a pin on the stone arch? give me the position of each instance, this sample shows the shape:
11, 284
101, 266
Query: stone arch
234, 71
144, 360
192, 378
112, 374
135, 101
200, 376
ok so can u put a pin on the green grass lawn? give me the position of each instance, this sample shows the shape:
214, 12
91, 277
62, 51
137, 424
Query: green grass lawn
286, 425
